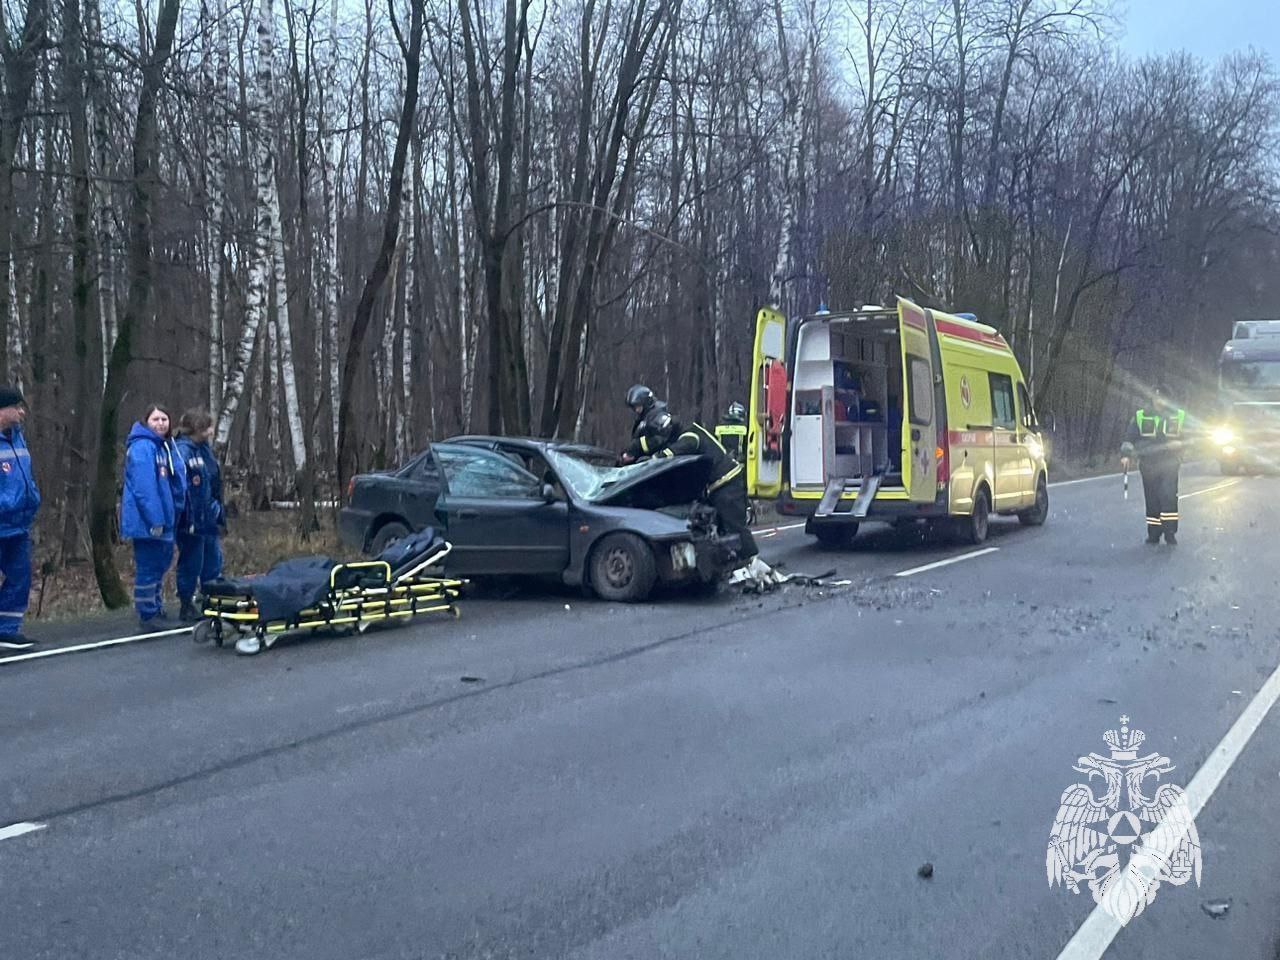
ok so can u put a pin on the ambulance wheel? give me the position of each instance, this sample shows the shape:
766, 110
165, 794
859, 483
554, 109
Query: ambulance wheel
623, 568
974, 528
836, 536
387, 534
1037, 515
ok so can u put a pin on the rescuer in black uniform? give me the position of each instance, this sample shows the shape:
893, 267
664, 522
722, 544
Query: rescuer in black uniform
1154, 436
652, 427
658, 434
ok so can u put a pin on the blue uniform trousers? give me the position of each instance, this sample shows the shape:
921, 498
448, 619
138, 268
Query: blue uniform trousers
199, 561
151, 559
15, 570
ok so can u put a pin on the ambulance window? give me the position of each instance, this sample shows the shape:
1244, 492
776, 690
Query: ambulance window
1028, 415
921, 389
1002, 410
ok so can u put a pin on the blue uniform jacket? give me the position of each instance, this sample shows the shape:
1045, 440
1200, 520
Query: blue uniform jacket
204, 487
19, 496
155, 489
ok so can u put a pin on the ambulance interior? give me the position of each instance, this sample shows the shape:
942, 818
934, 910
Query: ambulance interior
847, 401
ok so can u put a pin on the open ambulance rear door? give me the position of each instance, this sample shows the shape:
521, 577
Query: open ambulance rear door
768, 408
919, 418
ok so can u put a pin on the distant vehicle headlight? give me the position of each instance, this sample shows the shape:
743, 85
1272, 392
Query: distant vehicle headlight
1223, 436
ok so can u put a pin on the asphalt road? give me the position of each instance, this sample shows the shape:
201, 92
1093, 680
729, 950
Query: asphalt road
724, 777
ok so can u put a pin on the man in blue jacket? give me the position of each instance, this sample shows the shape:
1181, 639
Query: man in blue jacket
19, 501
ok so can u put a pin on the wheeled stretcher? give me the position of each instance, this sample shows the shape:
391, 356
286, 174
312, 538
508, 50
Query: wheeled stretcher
313, 593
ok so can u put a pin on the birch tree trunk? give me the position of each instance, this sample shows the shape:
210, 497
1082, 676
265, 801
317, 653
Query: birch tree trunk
217, 75
404, 426
263, 230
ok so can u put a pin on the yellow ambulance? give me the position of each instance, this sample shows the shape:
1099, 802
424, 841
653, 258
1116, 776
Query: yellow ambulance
894, 416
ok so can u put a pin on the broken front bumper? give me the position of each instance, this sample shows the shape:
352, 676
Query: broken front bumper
706, 558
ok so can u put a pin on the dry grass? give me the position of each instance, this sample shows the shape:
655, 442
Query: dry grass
254, 542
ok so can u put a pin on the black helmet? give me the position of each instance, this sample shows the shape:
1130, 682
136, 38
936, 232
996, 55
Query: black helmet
640, 396
736, 413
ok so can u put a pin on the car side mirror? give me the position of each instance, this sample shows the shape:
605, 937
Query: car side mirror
549, 493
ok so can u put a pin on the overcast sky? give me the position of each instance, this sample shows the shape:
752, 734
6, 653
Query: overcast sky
1206, 29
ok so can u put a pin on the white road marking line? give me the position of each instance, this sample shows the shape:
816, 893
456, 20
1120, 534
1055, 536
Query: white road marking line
1214, 489
59, 651
1096, 933
20, 829
1067, 483
947, 562
788, 526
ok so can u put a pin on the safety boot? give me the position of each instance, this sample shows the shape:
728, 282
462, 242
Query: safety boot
189, 613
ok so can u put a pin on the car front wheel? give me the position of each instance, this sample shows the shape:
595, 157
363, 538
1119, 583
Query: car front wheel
623, 568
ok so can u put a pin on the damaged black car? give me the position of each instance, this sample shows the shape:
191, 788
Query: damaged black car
515, 507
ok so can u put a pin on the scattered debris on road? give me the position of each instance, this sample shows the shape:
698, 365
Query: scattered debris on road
472, 679
758, 577
1216, 908
925, 871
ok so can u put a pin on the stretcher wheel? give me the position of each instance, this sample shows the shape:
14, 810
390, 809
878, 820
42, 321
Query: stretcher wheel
203, 632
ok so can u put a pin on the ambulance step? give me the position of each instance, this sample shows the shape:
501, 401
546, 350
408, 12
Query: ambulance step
831, 497
868, 493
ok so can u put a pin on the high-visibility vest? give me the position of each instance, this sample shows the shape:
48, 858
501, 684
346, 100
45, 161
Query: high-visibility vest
1153, 425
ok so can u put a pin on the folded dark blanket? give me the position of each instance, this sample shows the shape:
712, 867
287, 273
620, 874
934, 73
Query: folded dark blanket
409, 551
285, 590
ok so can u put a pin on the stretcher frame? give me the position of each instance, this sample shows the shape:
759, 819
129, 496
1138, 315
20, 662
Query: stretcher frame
361, 593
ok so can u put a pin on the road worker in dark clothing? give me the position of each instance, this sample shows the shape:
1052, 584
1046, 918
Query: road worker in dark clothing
732, 431
1154, 437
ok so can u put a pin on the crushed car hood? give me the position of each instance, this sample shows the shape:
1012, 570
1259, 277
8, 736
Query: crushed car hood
654, 484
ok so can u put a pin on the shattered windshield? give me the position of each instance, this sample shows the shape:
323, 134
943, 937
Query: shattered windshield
587, 480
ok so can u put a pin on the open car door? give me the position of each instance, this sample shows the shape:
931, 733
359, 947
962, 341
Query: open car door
919, 418
768, 409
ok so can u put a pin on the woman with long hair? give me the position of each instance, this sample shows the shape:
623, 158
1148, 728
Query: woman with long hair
152, 508
199, 543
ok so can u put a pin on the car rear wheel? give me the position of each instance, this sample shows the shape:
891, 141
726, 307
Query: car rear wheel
623, 568
836, 536
387, 534
974, 528
1037, 515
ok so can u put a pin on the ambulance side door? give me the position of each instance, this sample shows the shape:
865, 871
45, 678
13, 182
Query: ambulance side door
767, 420
1009, 453
920, 416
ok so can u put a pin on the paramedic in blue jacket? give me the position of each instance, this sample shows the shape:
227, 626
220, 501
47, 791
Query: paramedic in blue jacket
151, 509
19, 501
199, 543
